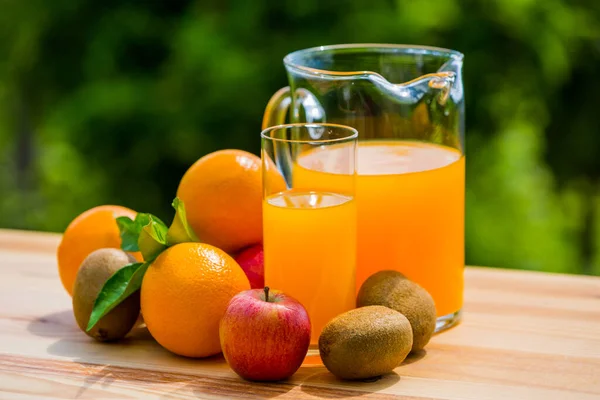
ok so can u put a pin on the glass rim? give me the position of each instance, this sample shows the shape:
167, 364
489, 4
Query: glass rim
291, 59
353, 136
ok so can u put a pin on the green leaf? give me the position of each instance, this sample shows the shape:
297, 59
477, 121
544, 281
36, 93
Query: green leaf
117, 288
130, 230
153, 239
180, 230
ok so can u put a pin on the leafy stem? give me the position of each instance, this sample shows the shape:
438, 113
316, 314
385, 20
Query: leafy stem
150, 236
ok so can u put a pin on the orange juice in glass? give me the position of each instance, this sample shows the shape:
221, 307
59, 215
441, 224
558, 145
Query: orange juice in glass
309, 233
407, 104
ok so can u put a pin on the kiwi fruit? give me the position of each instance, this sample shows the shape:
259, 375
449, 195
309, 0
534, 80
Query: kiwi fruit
365, 343
95, 270
392, 289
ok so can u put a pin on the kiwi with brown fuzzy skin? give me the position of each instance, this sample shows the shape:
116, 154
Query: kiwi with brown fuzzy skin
93, 273
366, 342
392, 289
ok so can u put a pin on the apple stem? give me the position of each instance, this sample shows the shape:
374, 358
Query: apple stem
266, 294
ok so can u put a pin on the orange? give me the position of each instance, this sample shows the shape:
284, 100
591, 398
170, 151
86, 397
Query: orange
184, 296
222, 193
94, 229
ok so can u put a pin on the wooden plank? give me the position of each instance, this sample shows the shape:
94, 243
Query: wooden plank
525, 335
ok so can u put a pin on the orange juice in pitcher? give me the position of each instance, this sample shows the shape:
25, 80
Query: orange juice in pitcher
407, 104
410, 196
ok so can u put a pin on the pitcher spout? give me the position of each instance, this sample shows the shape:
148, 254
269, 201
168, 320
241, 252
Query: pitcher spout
412, 92
454, 66
442, 81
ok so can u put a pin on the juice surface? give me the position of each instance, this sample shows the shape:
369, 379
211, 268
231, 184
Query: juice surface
410, 202
310, 251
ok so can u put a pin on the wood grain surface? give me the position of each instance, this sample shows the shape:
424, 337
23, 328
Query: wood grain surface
524, 335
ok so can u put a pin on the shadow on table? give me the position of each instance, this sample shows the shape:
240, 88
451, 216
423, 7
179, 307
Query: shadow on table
175, 385
76, 344
237, 387
59, 324
81, 349
204, 387
91, 358
96, 363
89, 355
314, 385
414, 357
102, 374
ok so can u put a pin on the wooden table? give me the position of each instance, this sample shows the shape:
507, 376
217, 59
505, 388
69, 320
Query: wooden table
524, 335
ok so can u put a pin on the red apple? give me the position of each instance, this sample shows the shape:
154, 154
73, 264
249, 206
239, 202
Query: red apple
264, 335
252, 262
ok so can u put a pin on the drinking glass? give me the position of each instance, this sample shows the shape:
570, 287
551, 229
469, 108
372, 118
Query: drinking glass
309, 232
407, 103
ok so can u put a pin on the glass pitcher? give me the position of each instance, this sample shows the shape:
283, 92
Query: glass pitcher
407, 103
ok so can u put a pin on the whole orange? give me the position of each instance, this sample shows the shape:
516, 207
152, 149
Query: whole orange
94, 229
185, 293
222, 193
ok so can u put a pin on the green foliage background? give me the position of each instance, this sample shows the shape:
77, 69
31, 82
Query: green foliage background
110, 102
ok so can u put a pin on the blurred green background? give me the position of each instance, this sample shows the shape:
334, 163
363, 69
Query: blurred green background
110, 102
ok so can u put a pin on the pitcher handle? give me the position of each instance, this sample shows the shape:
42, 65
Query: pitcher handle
277, 108
279, 105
